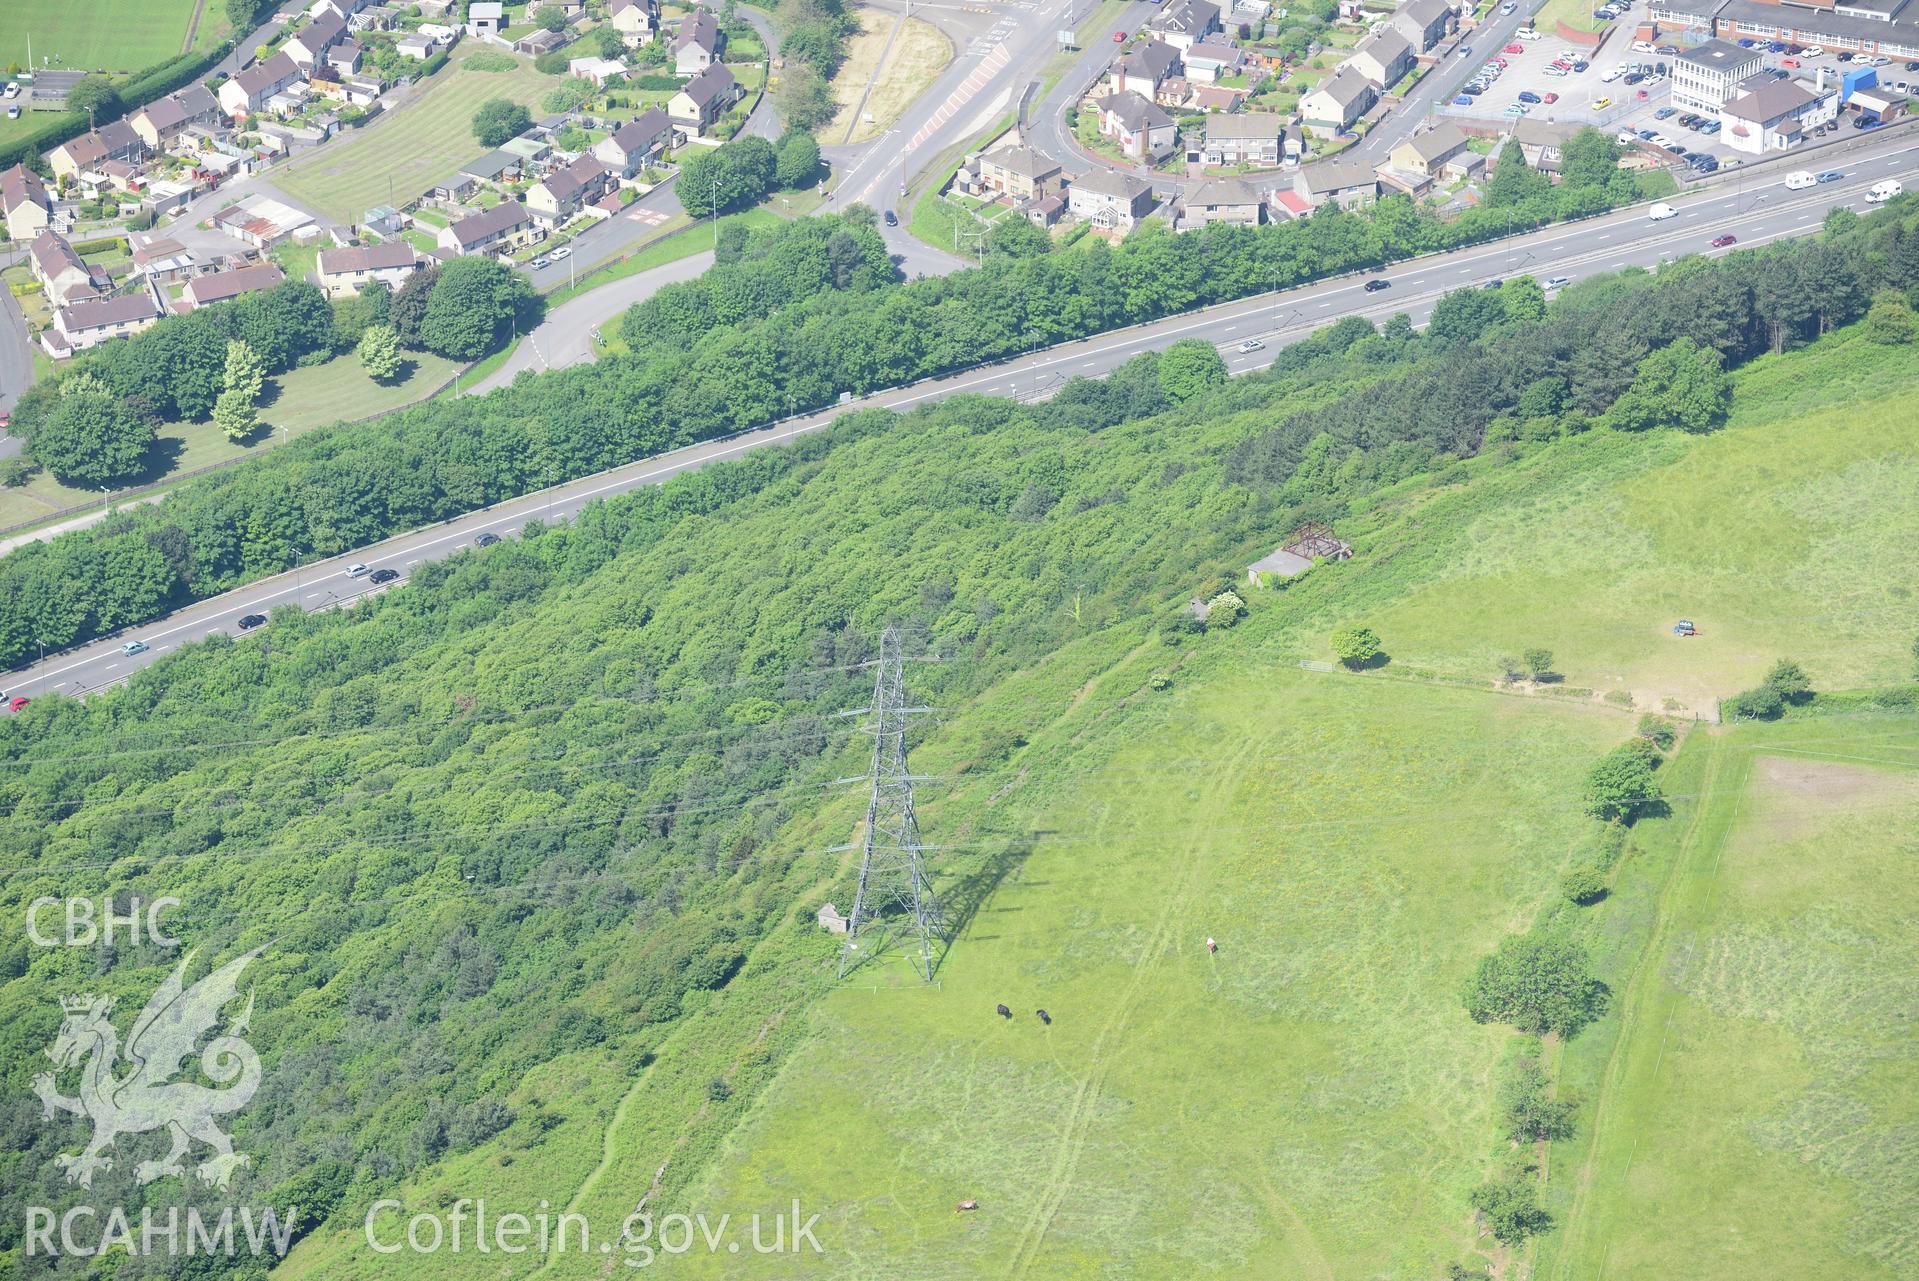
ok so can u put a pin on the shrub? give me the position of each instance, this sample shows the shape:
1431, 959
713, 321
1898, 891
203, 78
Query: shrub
498, 121
1789, 680
491, 60
1527, 1108
1583, 885
1620, 786
1657, 730
1512, 1211
1224, 609
1355, 646
1539, 982
1760, 704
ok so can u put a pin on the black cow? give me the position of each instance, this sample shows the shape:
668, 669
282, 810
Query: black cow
1004, 1012
1044, 1017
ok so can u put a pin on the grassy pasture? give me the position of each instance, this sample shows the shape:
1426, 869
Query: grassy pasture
428, 139
95, 35
1760, 1105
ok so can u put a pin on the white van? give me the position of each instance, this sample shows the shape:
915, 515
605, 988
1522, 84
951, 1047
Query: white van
1800, 181
1883, 191
1661, 212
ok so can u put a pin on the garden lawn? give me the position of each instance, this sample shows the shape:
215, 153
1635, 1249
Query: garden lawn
1577, 14
1309, 1102
396, 157
1758, 1114
95, 35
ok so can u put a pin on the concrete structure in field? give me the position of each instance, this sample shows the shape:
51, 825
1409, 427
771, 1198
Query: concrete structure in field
345, 272
1110, 201
1253, 138
698, 106
88, 324
1708, 76
508, 225
24, 203
635, 144
224, 286
830, 920
1340, 99
1140, 128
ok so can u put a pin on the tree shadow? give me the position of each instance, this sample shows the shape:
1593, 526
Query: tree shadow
1372, 664
270, 392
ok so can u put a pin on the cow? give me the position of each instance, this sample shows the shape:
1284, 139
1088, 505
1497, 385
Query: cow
1003, 1012
966, 1205
1044, 1017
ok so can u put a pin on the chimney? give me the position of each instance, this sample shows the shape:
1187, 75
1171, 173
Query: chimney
1822, 79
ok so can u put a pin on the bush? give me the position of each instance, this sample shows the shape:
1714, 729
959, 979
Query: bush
1511, 1209
1224, 609
1657, 730
491, 60
1760, 704
1583, 885
1620, 786
1539, 983
1789, 680
1355, 646
498, 121
1527, 1108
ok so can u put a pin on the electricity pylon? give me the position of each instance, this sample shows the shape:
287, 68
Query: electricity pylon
894, 890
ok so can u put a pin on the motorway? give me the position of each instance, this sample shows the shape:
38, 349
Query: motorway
1626, 238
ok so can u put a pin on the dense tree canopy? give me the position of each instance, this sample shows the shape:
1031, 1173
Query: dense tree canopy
499, 120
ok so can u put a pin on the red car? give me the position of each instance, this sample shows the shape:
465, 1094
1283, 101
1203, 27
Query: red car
1119, 37
1514, 48
1550, 99
16, 703
1720, 242
1789, 62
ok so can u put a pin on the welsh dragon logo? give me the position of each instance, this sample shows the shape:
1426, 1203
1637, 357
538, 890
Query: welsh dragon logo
147, 1098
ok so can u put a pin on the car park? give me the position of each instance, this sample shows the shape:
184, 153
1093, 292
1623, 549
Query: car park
1374, 286
133, 647
250, 621
383, 575
486, 540
356, 570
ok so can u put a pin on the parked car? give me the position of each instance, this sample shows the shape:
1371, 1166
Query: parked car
383, 575
1813, 51
1509, 8
1710, 127
486, 540
13, 111
1626, 137
1463, 100
356, 570
1528, 96
1374, 286
1643, 46
1600, 104
1721, 241
1119, 37
1666, 113
250, 621
1707, 164
133, 647
540, 262
1490, 284
1514, 47
1550, 99
1789, 62
1515, 111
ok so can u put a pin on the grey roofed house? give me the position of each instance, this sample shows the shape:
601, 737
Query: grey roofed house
488, 223
219, 286
1340, 173
94, 313
1281, 564
1153, 60
698, 27
263, 76
1224, 192
1134, 111
1189, 17
1022, 160
1437, 143
164, 114
1105, 182
710, 85
318, 36
637, 134
1422, 21
385, 256
1769, 100
1251, 124
564, 184
1345, 86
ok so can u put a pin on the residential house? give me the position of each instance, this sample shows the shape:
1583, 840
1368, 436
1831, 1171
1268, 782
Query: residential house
1424, 23
417, 45
24, 203
1184, 23
1211, 60
1016, 170
1340, 99
1540, 141
309, 45
344, 57
61, 273
1227, 200
1174, 91
377, 17
485, 18
1384, 57
505, 226
1142, 130
698, 43
164, 119
704, 99
1209, 98
598, 70
1706, 77
1776, 114
224, 286
1253, 139
162, 259
1343, 181
1427, 154
632, 146
1110, 201
637, 21
1046, 211
248, 91
116, 141
345, 272
341, 9
1143, 69
90, 323
559, 197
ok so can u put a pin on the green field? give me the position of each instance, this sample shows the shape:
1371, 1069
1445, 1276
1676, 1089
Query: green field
1577, 14
98, 35
298, 401
1761, 1107
428, 138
